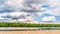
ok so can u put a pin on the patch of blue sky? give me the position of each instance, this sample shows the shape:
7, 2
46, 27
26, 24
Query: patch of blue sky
57, 18
48, 7
45, 6
38, 18
47, 14
2, 2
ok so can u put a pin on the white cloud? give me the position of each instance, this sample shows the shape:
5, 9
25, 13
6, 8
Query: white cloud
28, 19
21, 20
27, 8
3, 14
39, 14
2, 7
4, 19
15, 3
49, 18
16, 14
54, 3
19, 5
55, 11
36, 6
53, 7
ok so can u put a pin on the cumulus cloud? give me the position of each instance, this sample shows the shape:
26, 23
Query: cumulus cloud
26, 9
28, 19
25, 5
2, 18
55, 11
49, 18
16, 14
15, 3
53, 7
3, 14
53, 3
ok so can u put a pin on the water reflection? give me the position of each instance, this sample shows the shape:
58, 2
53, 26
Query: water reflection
49, 28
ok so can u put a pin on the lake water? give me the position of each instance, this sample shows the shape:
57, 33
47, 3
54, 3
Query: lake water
29, 28
49, 28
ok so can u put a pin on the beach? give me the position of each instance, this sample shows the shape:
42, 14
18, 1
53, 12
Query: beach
32, 32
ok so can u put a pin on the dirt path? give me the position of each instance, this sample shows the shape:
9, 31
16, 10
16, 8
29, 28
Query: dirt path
31, 32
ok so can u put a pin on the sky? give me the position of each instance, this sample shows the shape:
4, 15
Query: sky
38, 11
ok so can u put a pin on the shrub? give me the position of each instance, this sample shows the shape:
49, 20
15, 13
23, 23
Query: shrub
8, 24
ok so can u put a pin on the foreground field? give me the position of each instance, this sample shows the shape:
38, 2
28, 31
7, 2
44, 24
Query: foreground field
31, 32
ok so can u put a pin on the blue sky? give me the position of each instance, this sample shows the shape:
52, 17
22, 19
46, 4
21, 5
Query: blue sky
31, 10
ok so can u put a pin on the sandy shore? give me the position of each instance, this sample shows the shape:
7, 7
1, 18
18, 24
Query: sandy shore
31, 32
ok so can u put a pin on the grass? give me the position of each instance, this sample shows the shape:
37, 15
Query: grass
9, 24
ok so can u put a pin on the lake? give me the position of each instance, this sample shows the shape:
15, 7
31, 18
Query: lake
29, 28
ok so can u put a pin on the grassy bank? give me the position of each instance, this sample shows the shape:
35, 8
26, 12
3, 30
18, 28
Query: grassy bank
6, 24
